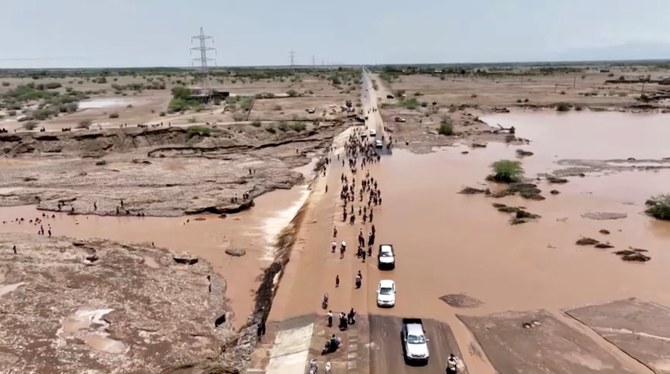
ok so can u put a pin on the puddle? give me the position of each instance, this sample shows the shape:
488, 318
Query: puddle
106, 103
206, 236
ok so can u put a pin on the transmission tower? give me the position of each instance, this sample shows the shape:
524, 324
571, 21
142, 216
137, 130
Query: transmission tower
203, 60
291, 55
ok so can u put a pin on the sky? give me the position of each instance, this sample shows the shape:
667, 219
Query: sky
133, 33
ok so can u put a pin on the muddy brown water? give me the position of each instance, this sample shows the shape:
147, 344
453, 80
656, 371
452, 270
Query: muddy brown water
206, 236
472, 248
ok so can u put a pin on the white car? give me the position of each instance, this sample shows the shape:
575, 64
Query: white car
373, 133
379, 143
386, 257
386, 293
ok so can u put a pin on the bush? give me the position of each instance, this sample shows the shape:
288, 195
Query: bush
84, 124
276, 107
507, 171
563, 107
6, 84
270, 129
114, 115
446, 128
198, 130
283, 127
53, 85
181, 92
161, 114
192, 120
30, 125
292, 93
102, 80
409, 103
659, 207
256, 123
298, 126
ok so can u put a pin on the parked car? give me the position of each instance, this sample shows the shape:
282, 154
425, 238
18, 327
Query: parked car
386, 257
400, 119
379, 143
386, 293
414, 341
373, 132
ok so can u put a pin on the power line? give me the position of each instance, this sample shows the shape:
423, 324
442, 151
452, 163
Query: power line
203, 59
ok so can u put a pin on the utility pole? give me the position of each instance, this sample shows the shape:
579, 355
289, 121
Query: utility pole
291, 55
574, 82
203, 59
313, 63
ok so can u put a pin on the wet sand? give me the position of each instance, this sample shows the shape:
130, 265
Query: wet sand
205, 236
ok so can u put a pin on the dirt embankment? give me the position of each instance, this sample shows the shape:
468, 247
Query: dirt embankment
75, 305
156, 171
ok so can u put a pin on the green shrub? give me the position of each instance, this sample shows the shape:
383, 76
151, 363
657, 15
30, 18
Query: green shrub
659, 207
198, 130
276, 107
298, 126
563, 107
161, 114
53, 85
114, 115
446, 128
283, 127
409, 103
256, 124
270, 129
292, 93
84, 124
30, 125
6, 84
507, 171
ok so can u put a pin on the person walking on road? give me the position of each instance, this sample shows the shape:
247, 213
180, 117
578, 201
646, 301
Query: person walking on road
337, 281
330, 318
452, 365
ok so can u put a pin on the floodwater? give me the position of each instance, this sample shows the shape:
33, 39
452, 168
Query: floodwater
206, 236
449, 243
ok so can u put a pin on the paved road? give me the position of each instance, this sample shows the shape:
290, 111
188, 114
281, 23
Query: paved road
386, 355
370, 109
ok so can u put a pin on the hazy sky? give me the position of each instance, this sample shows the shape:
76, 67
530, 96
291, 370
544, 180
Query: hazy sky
99, 33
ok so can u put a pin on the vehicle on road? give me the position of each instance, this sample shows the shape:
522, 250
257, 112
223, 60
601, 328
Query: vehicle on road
386, 257
379, 143
373, 132
414, 341
310, 110
386, 293
390, 97
400, 119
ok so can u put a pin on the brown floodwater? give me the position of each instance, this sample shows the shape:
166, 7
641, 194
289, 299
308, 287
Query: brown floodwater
206, 236
449, 243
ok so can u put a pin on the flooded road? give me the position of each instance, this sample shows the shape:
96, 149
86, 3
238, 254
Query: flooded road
205, 236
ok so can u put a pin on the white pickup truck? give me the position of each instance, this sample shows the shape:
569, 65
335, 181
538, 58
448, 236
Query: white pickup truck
414, 341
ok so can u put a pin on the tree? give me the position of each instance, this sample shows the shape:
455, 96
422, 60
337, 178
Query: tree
507, 171
446, 128
181, 92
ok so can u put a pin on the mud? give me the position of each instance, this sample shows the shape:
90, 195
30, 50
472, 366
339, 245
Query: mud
537, 342
212, 174
461, 301
639, 328
97, 304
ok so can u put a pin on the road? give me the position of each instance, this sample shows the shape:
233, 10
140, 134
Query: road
374, 119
